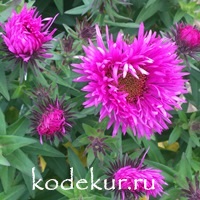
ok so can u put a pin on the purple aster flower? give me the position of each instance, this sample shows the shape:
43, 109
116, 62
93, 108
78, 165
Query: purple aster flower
137, 178
26, 37
51, 119
136, 84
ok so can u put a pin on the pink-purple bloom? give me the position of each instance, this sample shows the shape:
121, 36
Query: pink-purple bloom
51, 119
136, 84
137, 178
189, 35
187, 39
27, 36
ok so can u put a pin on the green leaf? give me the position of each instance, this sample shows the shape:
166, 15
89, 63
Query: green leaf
166, 18
90, 157
154, 152
80, 141
195, 139
3, 85
20, 161
168, 172
185, 167
44, 150
67, 193
87, 2
195, 165
10, 143
175, 134
172, 192
7, 176
58, 166
14, 193
121, 24
70, 31
178, 16
54, 77
40, 78
146, 13
29, 183
5, 14
59, 5
80, 10
112, 14
4, 161
2, 123
19, 128
42, 5
18, 92
182, 115
89, 130
79, 170
188, 151
56, 56
195, 85
128, 145
149, 3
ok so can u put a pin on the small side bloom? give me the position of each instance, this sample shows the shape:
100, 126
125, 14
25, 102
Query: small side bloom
187, 39
51, 118
136, 83
193, 191
85, 29
97, 145
26, 37
133, 179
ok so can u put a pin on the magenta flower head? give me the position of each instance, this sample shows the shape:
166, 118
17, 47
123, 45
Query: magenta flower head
51, 119
136, 84
189, 35
187, 38
131, 179
26, 37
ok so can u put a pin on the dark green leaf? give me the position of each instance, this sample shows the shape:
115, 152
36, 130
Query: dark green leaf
154, 152
10, 143
3, 85
58, 166
146, 13
123, 25
14, 193
79, 170
4, 161
2, 124
19, 128
60, 5
175, 134
7, 176
44, 150
29, 184
78, 10
20, 161
184, 167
